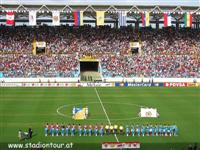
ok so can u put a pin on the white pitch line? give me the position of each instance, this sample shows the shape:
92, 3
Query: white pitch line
105, 111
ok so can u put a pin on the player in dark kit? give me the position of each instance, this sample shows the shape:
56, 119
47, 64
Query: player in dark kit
30, 133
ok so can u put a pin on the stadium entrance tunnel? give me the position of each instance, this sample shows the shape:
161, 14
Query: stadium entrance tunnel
90, 70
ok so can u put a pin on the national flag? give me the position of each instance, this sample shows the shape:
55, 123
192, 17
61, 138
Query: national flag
55, 18
167, 20
100, 18
122, 18
145, 19
188, 20
34, 45
32, 18
1, 74
78, 18
10, 18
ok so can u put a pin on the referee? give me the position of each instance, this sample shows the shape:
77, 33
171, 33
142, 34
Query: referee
115, 129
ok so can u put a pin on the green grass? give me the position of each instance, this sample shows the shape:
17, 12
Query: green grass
21, 108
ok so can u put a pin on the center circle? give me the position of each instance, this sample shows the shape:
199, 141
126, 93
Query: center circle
65, 108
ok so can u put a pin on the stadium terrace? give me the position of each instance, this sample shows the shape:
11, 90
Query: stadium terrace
171, 53
42, 38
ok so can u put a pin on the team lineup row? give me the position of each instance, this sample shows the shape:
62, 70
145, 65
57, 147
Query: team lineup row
89, 130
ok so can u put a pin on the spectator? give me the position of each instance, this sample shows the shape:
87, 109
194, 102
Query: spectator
167, 52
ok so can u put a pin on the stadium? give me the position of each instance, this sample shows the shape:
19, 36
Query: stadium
100, 74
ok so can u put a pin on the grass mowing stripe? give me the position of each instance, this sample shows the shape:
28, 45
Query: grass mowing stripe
105, 111
180, 106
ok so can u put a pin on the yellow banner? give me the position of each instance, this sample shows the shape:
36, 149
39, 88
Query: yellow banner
81, 18
147, 18
100, 18
194, 84
34, 46
88, 59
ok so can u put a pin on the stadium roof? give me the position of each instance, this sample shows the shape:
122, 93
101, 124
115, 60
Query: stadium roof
187, 3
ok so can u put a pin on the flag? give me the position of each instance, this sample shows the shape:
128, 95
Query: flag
100, 18
34, 45
188, 20
1, 74
56, 18
167, 20
10, 18
32, 18
78, 18
122, 18
145, 19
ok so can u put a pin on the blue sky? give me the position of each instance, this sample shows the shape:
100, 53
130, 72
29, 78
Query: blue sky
107, 2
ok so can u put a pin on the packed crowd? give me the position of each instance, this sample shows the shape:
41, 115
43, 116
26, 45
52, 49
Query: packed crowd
151, 66
166, 52
171, 41
26, 65
16, 39
67, 40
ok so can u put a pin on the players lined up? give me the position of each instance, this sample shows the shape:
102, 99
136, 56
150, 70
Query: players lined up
72, 130
89, 130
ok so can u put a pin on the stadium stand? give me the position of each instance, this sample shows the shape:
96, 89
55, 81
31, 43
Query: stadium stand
167, 52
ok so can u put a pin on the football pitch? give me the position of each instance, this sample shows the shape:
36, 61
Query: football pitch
21, 108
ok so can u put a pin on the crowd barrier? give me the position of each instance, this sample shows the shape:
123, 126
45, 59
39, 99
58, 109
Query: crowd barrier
57, 84
117, 84
74, 82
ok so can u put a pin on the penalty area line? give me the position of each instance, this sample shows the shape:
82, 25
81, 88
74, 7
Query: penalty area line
104, 111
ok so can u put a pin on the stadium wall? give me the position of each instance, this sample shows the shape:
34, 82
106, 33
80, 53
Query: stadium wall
162, 80
117, 79
107, 82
